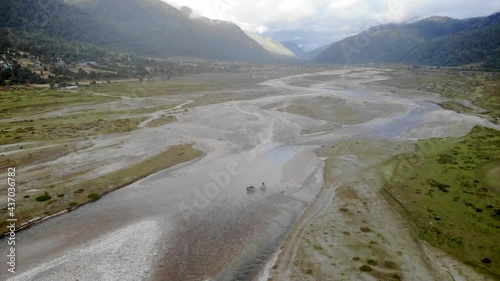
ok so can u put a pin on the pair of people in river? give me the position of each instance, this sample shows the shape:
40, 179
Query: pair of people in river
252, 188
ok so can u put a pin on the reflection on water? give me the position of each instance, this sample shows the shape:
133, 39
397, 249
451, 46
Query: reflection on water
282, 154
401, 124
241, 230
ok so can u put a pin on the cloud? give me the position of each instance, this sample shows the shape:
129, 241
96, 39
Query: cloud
319, 22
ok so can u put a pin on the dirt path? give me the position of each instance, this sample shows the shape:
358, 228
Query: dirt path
289, 252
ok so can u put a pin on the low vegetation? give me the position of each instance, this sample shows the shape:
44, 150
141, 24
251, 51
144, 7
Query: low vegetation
457, 86
162, 120
61, 122
449, 191
43, 198
92, 190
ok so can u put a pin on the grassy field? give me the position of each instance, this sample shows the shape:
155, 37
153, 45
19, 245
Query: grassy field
449, 192
22, 111
26, 101
155, 88
33, 114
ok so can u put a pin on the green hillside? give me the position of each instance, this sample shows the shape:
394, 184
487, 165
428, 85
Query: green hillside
149, 27
431, 41
477, 42
275, 48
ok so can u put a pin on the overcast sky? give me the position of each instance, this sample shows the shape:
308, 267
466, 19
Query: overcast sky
318, 22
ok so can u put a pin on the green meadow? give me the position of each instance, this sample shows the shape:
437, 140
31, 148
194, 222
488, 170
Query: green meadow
449, 189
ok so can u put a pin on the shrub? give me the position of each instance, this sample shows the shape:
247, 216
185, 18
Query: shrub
390, 264
365, 268
79, 191
486, 261
94, 196
43, 198
365, 229
73, 204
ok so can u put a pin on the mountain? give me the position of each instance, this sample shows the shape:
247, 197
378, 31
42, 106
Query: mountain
314, 53
145, 27
295, 49
275, 48
477, 42
431, 41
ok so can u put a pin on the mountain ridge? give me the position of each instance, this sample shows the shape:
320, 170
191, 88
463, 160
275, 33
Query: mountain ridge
274, 47
149, 27
435, 40
299, 52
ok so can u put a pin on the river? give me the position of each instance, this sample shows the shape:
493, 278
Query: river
196, 221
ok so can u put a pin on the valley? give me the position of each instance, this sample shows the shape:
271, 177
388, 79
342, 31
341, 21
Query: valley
179, 154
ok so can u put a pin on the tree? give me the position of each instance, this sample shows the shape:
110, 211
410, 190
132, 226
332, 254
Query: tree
4, 40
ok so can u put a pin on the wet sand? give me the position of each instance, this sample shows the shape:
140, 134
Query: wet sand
196, 220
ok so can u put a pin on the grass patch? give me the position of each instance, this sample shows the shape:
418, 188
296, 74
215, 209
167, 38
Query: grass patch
26, 102
27, 106
162, 120
72, 112
456, 85
94, 196
390, 264
365, 229
68, 127
161, 88
365, 268
317, 247
43, 198
455, 106
449, 191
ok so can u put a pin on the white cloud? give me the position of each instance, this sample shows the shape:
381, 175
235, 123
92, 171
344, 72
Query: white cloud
262, 29
324, 21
